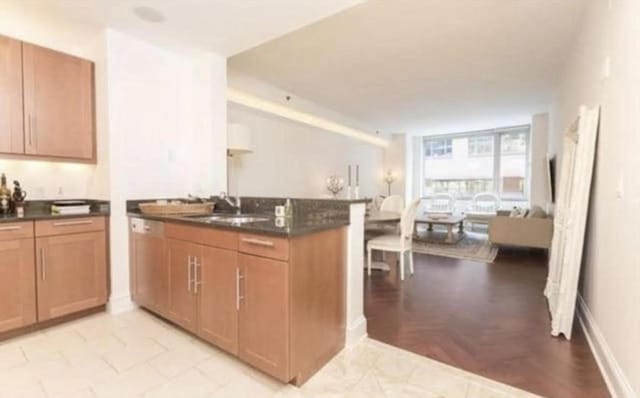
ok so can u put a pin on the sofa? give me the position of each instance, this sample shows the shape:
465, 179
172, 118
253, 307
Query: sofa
533, 229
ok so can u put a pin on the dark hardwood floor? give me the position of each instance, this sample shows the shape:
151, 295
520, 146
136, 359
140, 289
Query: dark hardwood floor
489, 319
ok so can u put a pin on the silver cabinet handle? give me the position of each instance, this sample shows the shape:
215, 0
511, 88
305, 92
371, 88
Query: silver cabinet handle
30, 123
43, 264
238, 295
189, 273
71, 223
11, 228
258, 242
35, 130
196, 278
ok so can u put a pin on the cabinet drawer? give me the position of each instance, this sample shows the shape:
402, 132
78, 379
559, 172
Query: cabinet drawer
264, 246
204, 236
16, 230
70, 226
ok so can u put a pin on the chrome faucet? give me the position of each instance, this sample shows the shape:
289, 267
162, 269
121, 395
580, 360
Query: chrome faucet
237, 204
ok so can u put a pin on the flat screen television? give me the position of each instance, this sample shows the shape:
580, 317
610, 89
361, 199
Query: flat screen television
551, 178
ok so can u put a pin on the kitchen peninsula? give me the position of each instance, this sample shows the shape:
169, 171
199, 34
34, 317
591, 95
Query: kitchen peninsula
272, 292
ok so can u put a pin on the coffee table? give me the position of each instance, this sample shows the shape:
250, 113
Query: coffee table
447, 220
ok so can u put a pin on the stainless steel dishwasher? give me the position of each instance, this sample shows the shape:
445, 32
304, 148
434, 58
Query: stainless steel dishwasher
149, 267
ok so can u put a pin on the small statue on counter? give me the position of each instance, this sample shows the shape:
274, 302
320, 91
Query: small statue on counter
5, 196
18, 198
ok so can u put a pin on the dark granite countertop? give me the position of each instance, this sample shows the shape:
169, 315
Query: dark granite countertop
295, 226
41, 210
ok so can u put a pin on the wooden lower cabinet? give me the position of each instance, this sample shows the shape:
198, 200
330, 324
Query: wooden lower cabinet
264, 314
149, 274
277, 303
182, 302
217, 282
17, 284
71, 273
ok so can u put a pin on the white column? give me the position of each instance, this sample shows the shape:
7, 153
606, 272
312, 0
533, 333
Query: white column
356, 322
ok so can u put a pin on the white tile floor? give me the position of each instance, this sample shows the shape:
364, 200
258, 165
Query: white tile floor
138, 355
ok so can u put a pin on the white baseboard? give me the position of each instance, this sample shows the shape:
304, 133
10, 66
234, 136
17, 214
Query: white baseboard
119, 305
617, 382
356, 332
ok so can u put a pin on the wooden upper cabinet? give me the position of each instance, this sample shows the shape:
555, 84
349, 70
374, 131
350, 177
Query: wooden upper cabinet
11, 129
17, 286
58, 104
70, 273
264, 315
217, 280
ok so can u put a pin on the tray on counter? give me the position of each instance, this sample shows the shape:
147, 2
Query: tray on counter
176, 208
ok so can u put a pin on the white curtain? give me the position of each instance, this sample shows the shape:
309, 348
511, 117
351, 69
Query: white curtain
570, 220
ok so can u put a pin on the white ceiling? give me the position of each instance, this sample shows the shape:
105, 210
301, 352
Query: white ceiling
425, 66
223, 26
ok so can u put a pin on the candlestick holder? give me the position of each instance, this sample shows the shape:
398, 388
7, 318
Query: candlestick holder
389, 178
335, 184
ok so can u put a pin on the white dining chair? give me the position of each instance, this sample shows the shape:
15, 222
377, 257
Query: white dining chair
390, 204
398, 243
393, 203
441, 203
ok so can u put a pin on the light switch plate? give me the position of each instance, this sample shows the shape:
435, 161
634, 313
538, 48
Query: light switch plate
606, 68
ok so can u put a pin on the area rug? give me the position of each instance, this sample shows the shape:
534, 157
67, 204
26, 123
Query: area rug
473, 246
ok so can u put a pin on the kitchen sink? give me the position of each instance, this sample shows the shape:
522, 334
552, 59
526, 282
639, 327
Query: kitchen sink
230, 219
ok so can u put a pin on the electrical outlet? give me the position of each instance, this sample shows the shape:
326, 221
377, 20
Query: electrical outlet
620, 187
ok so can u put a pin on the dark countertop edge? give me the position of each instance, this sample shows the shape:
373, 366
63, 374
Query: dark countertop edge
244, 228
36, 217
334, 200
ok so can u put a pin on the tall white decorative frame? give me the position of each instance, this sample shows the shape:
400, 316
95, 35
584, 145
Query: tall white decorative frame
570, 220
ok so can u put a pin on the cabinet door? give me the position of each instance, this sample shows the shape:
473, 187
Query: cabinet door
216, 279
264, 315
150, 287
17, 284
11, 131
58, 104
71, 273
182, 306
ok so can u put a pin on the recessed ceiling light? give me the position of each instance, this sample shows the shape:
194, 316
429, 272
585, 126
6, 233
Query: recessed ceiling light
149, 14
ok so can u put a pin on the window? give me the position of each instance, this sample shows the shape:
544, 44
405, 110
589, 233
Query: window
513, 164
486, 161
514, 143
437, 148
481, 145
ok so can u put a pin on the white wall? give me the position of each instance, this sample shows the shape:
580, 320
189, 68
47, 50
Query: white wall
161, 123
293, 159
611, 266
538, 160
36, 24
167, 132
395, 160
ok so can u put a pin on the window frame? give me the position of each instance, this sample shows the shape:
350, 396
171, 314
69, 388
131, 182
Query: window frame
475, 153
446, 143
497, 154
